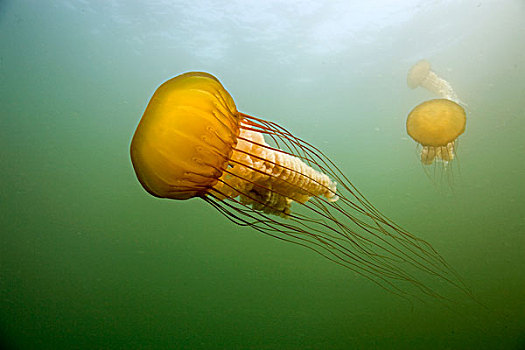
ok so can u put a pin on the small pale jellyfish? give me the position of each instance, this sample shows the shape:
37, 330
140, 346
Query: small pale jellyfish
436, 125
422, 75
193, 142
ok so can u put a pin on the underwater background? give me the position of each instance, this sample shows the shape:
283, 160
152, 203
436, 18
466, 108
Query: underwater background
89, 260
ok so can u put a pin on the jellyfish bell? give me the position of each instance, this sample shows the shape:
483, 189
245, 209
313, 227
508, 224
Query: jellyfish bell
418, 73
176, 151
421, 74
193, 142
436, 125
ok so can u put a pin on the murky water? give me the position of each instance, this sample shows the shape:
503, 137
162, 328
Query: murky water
89, 260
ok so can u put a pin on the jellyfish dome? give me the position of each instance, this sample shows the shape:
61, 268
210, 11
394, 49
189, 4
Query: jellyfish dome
186, 135
436, 125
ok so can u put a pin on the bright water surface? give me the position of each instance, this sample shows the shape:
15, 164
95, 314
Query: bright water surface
88, 260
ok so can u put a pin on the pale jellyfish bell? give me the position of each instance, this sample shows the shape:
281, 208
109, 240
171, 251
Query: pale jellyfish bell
422, 75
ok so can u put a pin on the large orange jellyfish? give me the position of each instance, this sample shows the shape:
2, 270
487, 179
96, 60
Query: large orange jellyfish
192, 142
436, 125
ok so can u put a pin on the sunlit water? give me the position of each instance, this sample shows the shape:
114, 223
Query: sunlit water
90, 260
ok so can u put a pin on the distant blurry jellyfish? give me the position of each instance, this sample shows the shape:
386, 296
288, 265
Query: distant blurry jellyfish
421, 75
436, 125
192, 142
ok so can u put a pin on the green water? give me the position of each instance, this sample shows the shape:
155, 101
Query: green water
88, 260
